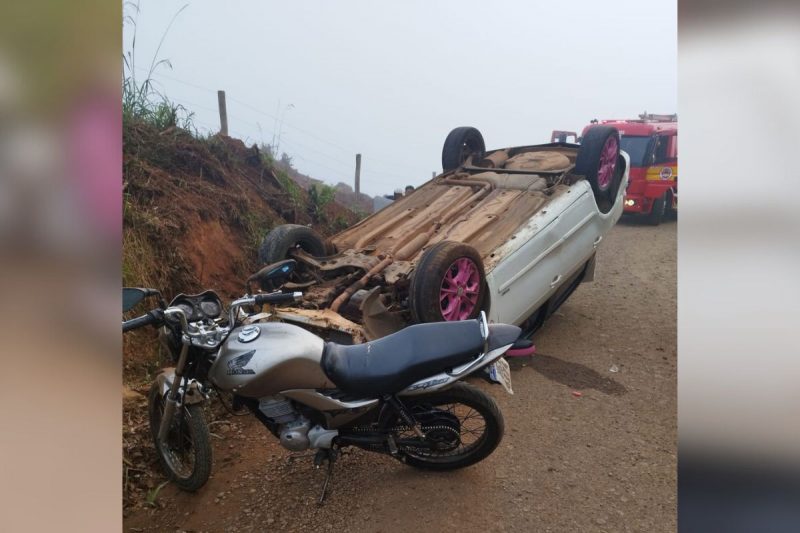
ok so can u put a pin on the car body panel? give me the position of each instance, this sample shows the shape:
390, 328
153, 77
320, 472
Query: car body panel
556, 243
535, 231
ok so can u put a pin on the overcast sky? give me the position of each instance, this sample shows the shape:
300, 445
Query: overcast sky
391, 79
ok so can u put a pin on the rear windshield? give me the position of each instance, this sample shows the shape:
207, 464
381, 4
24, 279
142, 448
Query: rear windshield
636, 147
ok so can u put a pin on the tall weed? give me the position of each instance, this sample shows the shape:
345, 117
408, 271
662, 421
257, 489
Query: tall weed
140, 99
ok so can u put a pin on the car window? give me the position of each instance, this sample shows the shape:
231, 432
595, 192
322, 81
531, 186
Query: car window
636, 147
660, 152
673, 147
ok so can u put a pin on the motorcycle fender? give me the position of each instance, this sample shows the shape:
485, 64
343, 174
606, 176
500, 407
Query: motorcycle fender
190, 395
445, 379
164, 380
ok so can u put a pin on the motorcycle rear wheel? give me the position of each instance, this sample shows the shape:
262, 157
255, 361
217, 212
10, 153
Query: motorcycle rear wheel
464, 421
186, 457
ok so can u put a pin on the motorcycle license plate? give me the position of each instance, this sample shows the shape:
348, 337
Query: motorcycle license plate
500, 372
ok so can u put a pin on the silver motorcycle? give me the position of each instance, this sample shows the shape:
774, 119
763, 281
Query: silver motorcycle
401, 395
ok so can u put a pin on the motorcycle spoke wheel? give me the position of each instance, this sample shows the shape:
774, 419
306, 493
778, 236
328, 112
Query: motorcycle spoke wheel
186, 454
450, 435
462, 426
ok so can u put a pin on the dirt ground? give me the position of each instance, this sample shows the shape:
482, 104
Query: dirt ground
590, 441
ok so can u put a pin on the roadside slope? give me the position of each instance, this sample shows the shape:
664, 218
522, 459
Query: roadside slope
195, 212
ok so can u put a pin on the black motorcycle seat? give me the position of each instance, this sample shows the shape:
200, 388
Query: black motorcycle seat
392, 363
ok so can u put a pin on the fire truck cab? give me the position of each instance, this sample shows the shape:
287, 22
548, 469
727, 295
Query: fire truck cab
651, 141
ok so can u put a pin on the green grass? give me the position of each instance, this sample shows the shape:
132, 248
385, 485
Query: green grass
290, 186
318, 197
140, 99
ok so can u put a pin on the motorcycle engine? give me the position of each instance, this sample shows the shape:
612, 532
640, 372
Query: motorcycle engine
292, 426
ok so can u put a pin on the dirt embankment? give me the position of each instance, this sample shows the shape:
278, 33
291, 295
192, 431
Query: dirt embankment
195, 212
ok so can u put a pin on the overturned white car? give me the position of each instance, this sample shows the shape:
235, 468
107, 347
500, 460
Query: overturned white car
511, 231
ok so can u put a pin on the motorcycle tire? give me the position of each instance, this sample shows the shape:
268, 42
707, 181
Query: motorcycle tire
189, 435
460, 398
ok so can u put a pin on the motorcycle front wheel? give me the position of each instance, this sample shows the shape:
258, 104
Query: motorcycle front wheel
462, 426
186, 454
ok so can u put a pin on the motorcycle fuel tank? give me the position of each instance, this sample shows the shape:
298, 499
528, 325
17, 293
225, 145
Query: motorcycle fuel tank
264, 359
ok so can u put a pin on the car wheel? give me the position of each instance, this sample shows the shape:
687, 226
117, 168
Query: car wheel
597, 160
459, 145
656, 214
448, 284
281, 240
278, 242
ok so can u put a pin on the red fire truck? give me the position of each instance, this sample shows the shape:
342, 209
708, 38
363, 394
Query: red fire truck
651, 141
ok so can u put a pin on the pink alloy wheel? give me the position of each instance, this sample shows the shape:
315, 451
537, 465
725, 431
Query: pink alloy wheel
460, 289
608, 161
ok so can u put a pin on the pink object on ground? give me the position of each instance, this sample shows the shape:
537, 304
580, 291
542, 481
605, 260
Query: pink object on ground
577, 394
522, 352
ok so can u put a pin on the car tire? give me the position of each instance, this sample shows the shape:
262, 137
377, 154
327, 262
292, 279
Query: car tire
598, 159
448, 283
656, 214
459, 145
278, 242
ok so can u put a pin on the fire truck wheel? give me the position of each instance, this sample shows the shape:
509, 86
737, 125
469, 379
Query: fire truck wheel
671, 212
598, 158
656, 214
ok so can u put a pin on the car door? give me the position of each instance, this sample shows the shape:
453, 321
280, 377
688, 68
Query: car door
557, 242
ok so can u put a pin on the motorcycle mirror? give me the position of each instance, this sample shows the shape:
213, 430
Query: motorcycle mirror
133, 295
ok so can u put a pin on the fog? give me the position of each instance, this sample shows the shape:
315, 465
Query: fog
390, 80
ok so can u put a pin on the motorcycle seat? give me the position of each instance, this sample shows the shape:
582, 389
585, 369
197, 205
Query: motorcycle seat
392, 363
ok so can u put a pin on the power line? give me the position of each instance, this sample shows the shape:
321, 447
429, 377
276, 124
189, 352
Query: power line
371, 174
377, 161
298, 146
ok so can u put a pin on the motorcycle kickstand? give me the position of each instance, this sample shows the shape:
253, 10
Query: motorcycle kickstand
322, 455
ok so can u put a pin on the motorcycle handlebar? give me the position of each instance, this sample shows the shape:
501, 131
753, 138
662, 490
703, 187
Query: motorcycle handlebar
139, 322
156, 316
278, 298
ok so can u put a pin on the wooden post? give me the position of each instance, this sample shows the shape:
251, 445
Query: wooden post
358, 174
223, 113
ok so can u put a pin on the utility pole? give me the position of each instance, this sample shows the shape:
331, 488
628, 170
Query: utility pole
280, 126
223, 113
358, 174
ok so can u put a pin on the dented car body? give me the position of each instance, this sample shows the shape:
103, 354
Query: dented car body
511, 231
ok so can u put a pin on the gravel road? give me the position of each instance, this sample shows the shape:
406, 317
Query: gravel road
590, 441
